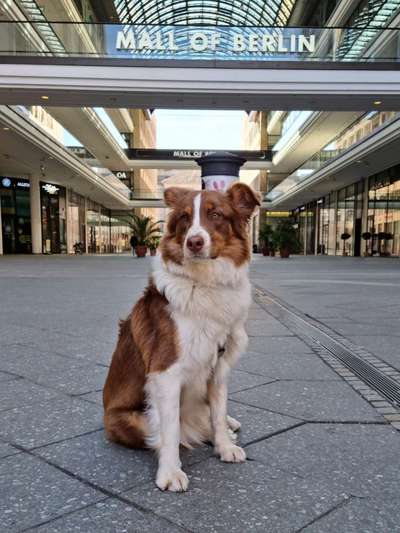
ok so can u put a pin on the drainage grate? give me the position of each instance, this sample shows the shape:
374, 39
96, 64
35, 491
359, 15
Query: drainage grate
370, 375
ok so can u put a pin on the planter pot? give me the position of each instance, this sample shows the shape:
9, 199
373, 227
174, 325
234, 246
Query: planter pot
272, 253
265, 251
153, 251
141, 250
284, 253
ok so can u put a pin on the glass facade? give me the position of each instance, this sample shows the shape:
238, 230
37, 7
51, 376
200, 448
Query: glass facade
76, 221
15, 215
93, 227
360, 219
383, 220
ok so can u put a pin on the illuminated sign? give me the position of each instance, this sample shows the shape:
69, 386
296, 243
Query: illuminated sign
168, 155
51, 189
241, 40
209, 42
15, 182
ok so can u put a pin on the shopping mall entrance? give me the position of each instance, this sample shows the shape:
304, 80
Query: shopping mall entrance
321, 96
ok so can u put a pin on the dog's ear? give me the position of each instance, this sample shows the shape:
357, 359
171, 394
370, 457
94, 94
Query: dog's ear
243, 199
174, 195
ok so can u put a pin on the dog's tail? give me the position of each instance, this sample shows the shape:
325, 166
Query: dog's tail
126, 427
123, 393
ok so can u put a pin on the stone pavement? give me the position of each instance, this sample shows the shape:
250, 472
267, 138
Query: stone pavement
321, 458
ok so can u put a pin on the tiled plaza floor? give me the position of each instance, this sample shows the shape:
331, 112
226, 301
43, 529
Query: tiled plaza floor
320, 457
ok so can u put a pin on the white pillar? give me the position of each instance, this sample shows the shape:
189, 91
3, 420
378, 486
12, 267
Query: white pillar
70, 244
36, 218
1, 232
86, 228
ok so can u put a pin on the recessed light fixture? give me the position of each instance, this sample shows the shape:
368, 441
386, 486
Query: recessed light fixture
6, 129
377, 102
44, 97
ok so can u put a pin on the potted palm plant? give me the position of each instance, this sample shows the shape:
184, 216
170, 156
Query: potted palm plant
265, 239
285, 239
153, 244
144, 229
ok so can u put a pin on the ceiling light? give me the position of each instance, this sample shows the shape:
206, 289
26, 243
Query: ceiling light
44, 97
6, 129
377, 102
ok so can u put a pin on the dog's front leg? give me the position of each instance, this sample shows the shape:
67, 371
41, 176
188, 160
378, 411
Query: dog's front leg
164, 391
218, 398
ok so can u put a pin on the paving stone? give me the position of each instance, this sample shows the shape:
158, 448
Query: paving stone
278, 345
242, 380
32, 492
285, 366
267, 328
6, 450
93, 397
42, 423
315, 400
369, 515
357, 459
32, 363
104, 463
6, 377
109, 516
76, 380
19, 392
236, 498
257, 423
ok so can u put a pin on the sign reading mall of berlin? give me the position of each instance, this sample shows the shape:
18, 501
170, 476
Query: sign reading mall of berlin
231, 41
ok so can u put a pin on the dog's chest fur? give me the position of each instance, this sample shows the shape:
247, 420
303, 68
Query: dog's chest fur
204, 314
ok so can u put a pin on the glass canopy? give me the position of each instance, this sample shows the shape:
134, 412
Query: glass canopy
211, 12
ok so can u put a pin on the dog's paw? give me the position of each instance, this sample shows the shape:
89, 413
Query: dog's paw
232, 454
232, 435
233, 424
173, 480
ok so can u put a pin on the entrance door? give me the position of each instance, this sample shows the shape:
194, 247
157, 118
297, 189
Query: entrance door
357, 238
8, 234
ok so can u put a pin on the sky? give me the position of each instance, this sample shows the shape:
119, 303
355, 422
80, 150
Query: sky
190, 129
216, 130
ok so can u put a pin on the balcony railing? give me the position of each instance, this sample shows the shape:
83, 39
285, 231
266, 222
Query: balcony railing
27, 38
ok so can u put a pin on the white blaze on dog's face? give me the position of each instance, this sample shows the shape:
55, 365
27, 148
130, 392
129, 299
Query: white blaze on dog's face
207, 225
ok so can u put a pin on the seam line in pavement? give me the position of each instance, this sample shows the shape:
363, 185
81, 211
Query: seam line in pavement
339, 505
265, 409
274, 434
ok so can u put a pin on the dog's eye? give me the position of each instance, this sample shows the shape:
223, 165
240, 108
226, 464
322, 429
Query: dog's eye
215, 215
184, 217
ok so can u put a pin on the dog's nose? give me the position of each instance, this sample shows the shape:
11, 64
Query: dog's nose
195, 243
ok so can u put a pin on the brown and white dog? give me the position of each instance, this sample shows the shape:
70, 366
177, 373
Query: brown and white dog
167, 383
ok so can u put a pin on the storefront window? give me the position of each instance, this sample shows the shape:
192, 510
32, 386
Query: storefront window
105, 237
53, 206
15, 215
384, 213
93, 226
120, 235
76, 219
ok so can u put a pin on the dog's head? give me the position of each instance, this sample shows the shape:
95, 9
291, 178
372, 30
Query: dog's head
207, 225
